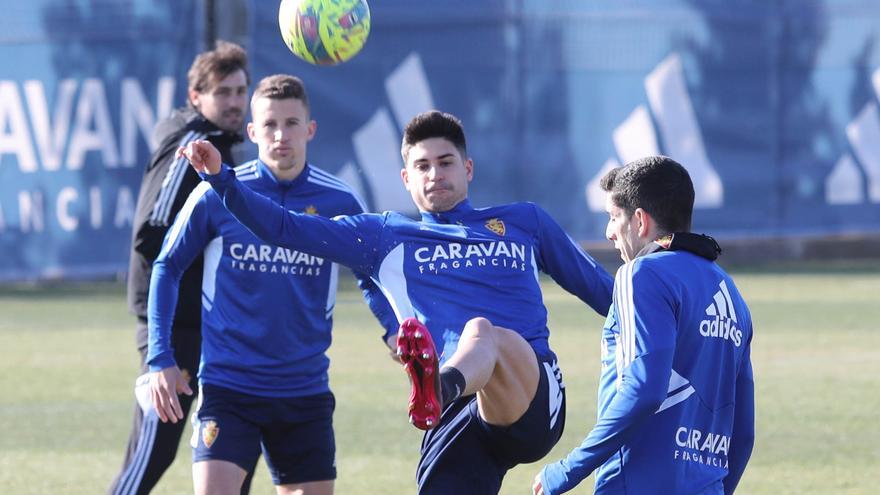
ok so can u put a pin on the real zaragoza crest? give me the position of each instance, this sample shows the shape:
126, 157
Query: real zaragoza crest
665, 241
210, 430
496, 226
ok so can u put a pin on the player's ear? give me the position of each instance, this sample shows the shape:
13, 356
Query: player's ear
469, 167
404, 176
644, 222
313, 128
193, 96
251, 132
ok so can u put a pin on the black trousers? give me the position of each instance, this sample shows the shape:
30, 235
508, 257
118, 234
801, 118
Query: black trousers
152, 444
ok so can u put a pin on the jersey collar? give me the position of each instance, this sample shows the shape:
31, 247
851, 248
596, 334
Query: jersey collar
266, 174
458, 212
699, 244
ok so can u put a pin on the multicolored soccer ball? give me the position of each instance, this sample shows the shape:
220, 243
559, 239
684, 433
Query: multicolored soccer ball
324, 32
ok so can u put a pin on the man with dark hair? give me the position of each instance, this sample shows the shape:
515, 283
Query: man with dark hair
267, 315
676, 395
491, 396
216, 102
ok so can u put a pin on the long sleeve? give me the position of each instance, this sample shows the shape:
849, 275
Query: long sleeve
346, 239
743, 437
642, 390
379, 305
571, 267
645, 316
184, 242
372, 294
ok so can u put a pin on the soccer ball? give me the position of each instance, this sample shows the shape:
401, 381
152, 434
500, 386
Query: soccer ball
324, 32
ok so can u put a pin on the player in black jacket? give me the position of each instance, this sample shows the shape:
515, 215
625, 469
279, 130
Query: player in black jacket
217, 103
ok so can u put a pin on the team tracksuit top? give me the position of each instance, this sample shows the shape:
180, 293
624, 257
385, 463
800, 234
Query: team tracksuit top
266, 310
676, 395
447, 268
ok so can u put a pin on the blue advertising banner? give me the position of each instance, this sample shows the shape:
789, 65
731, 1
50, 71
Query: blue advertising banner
772, 105
81, 87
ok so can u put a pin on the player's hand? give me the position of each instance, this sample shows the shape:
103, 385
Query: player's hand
164, 387
202, 155
537, 489
392, 346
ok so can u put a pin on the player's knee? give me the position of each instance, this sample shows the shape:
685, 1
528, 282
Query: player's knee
478, 327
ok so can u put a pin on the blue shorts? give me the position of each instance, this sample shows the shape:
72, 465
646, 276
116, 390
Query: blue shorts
295, 434
465, 455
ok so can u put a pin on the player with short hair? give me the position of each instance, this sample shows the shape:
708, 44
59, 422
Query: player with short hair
267, 315
676, 396
216, 103
463, 277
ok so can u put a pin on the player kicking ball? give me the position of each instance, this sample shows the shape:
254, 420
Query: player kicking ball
490, 393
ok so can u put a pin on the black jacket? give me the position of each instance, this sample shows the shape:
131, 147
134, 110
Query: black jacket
166, 184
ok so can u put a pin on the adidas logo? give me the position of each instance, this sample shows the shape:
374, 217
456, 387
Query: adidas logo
377, 142
669, 119
846, 184
721, 323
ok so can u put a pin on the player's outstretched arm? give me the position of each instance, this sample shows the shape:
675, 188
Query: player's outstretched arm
570, 266
347, 240
643, 382
202, 155
164, 387
643, 389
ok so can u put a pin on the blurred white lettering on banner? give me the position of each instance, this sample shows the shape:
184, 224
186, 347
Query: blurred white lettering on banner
52, 143
82, 122
72, 208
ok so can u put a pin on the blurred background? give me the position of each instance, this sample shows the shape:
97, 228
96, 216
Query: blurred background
771, 104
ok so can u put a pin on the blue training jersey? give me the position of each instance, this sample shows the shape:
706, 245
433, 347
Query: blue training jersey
447, 268
266, 310
676, 394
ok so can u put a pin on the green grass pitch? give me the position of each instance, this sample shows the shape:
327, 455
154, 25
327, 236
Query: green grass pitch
67, 364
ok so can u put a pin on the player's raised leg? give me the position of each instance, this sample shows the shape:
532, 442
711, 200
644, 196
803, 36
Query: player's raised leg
499, 366
494, 362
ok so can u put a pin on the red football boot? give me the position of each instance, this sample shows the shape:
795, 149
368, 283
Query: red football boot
416, 350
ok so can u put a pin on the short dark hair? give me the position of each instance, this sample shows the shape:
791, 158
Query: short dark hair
433, 124
211, 67
281, 87
657, 184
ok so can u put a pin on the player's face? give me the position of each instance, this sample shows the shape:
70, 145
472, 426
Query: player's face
224, 104
436, 175
281, 129
623, 231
